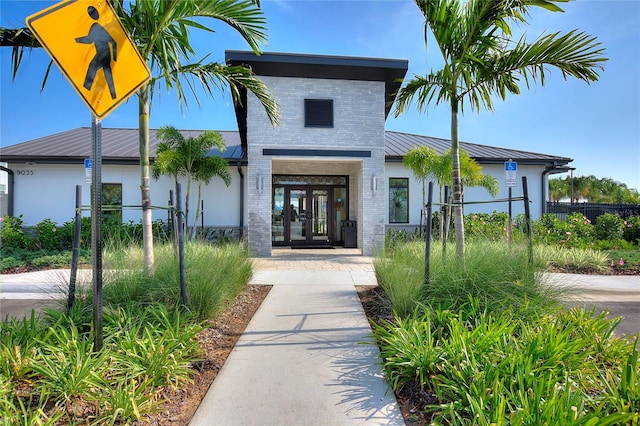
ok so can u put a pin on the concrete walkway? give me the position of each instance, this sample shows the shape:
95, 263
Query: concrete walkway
618, 295
301, 360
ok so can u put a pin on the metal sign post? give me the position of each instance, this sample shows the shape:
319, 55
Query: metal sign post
510, 172
96, 229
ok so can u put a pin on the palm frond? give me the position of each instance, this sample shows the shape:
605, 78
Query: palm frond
424, 90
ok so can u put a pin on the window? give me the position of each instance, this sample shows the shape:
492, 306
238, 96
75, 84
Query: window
398, 200
318, 113
112, 202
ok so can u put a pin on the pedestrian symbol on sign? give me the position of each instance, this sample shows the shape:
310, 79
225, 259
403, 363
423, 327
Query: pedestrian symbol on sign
104, 44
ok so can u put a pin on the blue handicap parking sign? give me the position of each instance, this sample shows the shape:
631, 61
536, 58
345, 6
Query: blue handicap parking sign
510, 166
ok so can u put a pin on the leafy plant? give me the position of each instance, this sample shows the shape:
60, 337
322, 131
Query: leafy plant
609, 227
631, 231
67, 364
12, 234
47, 236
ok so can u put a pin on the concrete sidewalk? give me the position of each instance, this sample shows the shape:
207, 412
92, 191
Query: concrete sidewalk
302, 359
603, 288
618, 295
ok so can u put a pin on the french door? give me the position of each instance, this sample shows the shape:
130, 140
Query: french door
307, 215
308, 210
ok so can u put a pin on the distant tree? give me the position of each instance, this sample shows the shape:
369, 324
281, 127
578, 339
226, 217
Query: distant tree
593, 190
558, 189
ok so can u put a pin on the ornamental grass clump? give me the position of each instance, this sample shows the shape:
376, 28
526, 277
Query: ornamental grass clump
492, 272
215, 275
489, 341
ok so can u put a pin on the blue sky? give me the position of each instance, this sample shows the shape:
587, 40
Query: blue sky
597, 125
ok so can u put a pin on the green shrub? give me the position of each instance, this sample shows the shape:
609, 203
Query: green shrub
631, 231
12, 233
47, 236
491, 227
609, 227
67, 232
575, 231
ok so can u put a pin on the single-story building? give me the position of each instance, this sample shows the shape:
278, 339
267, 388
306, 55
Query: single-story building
329, 160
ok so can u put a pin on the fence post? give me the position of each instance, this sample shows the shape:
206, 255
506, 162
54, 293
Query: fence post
527, 215
444, 221
427, 248
181, 231
76, 248
509, 230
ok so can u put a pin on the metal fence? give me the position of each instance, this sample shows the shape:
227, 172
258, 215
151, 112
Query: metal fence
592, 210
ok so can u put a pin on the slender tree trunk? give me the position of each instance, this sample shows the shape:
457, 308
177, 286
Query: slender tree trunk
423, 210
195, 219
441, 214
186, 206
457, 183
145, 191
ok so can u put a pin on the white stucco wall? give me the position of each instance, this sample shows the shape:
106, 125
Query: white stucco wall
48, 191
534, 185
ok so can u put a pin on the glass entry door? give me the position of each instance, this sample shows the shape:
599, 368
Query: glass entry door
307, 215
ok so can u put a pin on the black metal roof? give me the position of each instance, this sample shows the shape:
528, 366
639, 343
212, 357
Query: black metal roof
120, 146
397, 144
390, 71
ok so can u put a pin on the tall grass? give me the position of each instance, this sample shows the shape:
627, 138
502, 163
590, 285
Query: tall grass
215, 275
492, 272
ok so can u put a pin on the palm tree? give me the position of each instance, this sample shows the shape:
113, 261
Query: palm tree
558, 189
204, 170
160, 29
481, 60
582, 187
424, 162
189, 157
470, 176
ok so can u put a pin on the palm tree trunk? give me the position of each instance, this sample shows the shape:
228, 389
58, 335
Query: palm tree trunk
145, 192
186, 206
457, 183
195, 219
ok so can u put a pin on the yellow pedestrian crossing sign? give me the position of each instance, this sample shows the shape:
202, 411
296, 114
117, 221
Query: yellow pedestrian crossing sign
93, 50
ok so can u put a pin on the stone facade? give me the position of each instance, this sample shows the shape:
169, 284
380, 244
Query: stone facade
359, 118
